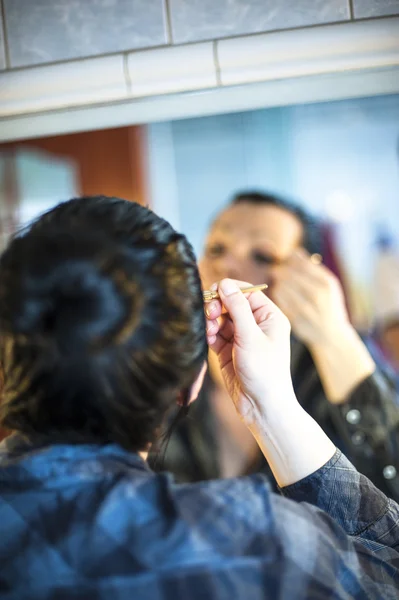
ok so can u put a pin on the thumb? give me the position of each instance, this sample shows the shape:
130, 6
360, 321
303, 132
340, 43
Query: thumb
238, 308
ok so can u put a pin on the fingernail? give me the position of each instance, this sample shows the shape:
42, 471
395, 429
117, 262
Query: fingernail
228, 287
210, 308
214, 287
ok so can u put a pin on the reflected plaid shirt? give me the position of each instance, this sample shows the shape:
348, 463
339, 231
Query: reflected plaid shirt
89, 522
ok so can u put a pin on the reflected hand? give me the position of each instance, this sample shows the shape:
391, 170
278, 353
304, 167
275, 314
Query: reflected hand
252, 342
312, 298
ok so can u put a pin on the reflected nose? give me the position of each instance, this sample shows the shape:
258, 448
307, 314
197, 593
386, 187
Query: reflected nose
228, 266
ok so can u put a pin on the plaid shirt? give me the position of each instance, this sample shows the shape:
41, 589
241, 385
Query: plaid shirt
91, 522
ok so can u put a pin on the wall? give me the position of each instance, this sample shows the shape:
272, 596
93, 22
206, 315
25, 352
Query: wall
34, 32
117, 57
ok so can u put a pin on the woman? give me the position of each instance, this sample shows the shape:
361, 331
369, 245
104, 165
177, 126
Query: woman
337, 378
102, 332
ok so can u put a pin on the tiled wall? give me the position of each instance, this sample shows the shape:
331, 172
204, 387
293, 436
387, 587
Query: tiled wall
34, 32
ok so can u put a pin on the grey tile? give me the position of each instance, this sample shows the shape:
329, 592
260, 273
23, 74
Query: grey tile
2, 49
375, 8
51, 30
194, 20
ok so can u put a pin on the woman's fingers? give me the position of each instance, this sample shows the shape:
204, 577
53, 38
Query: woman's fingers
217, 342
221, 331
213, 309
244, 311
238, 308
212, 327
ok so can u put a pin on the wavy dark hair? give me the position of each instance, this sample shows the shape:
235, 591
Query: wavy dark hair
312, 237
101, 323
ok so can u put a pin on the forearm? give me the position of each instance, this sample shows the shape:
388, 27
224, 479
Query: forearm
293, 444
342, 362
308, 468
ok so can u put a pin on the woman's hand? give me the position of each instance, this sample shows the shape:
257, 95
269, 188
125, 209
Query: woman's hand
252, 343
312, 298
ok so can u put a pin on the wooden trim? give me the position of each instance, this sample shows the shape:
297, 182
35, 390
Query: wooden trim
139, 162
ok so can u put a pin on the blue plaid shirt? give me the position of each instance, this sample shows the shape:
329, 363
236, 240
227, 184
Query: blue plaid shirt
90, 522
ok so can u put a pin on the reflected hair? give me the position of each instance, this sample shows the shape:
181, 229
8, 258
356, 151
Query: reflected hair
101, 324
312, 237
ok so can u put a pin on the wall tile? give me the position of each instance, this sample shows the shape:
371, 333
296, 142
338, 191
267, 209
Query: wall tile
375, 8
50, 87
172, 69
350, 46
41, 31
194, 20
2, 55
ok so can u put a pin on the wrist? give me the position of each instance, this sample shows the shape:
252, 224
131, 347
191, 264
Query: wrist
337, 336
342, 364
280, 407
293, 444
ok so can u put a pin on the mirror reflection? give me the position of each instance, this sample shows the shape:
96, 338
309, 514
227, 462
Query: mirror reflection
339, 161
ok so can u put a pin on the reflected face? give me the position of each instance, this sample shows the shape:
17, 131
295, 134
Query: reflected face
246, 240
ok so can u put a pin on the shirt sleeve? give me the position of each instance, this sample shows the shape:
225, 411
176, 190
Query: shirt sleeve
334, 535
369, 420
351, 500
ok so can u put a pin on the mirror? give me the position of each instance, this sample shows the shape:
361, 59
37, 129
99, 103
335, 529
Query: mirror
338, 159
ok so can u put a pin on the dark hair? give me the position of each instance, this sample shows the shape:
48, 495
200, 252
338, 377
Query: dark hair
311, 231
101, 323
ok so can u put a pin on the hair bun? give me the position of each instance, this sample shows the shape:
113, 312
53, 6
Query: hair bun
67, 291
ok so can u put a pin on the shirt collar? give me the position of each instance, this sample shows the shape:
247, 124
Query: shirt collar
18, 448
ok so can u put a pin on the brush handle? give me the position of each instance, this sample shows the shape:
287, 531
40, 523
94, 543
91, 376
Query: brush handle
213, 295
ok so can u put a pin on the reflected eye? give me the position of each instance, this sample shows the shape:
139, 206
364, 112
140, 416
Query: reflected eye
262, 258
215, 250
